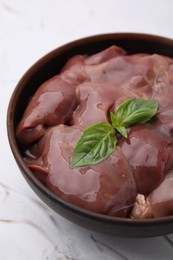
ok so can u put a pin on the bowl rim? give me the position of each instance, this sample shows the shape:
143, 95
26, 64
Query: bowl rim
13, 143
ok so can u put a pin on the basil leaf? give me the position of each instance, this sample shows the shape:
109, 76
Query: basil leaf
134, 111
121, 129
96, 144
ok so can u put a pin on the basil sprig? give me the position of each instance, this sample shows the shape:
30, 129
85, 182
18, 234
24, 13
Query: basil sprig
99, 140
133, 111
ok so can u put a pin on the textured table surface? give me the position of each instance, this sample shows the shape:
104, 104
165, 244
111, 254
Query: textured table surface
28, 30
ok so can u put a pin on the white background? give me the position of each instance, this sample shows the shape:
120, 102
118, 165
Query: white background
28, 30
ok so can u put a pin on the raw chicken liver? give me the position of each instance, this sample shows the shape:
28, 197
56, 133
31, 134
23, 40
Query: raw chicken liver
136, 176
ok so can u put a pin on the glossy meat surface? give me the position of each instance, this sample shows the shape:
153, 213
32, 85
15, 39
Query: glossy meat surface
84, 93
52, 104
107, 188
161, 199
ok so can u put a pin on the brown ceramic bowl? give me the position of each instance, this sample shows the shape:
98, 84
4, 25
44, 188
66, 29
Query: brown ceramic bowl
45, 68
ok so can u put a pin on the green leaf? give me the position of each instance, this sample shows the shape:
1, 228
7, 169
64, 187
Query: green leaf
134, 111
121, 129
95, 145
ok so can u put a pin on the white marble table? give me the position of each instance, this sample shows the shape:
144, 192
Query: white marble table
28, 30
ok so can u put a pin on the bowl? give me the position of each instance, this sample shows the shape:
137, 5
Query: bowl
47, 67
